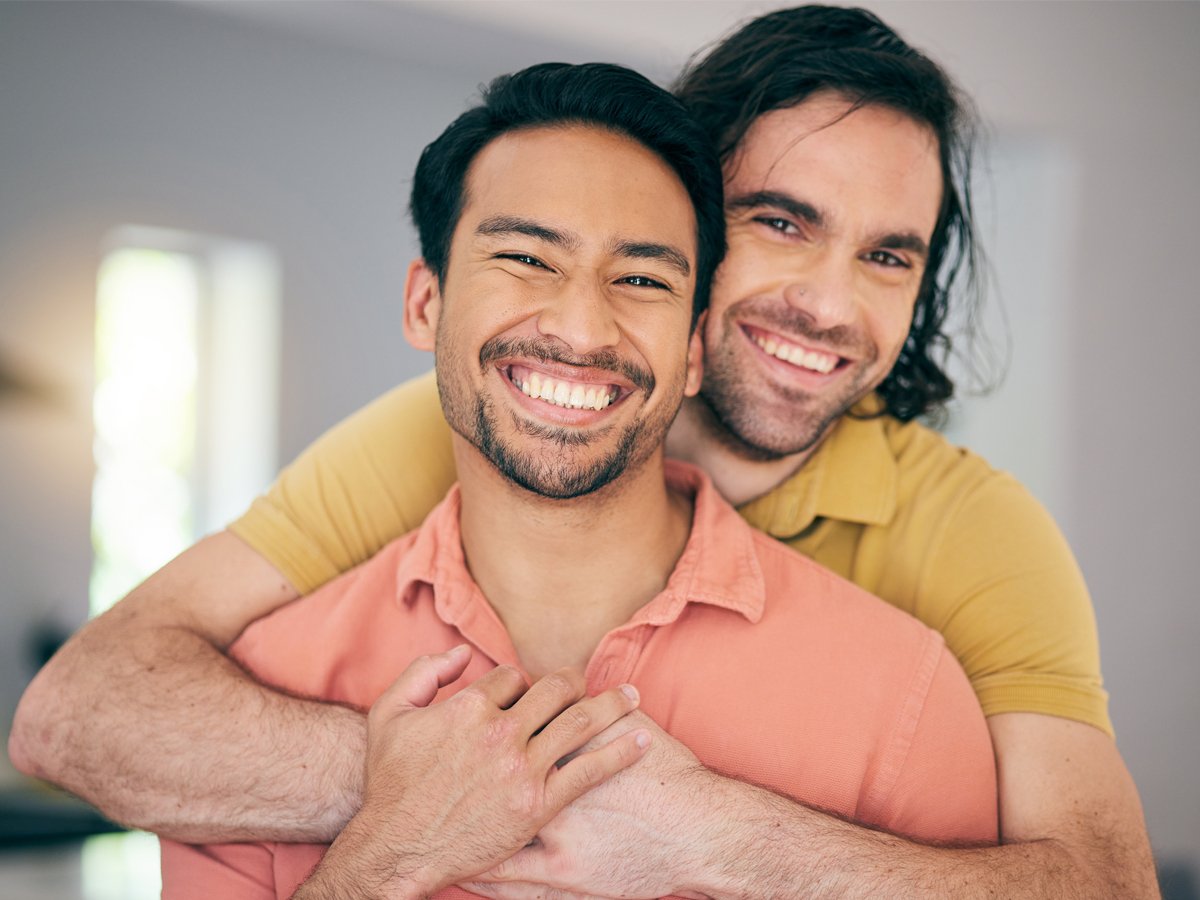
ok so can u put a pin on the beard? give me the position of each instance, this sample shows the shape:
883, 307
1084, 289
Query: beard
763, 421
564, 462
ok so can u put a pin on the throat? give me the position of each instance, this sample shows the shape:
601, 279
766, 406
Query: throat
739, 473
562, 574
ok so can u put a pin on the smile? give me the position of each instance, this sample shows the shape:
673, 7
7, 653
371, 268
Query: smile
562, 392
781, 349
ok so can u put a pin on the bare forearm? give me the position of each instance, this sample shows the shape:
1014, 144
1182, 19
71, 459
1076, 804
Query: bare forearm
160, 730
773, 847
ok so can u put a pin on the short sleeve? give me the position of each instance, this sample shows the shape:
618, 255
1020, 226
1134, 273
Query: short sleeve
370, 479
945, 791
1003, 587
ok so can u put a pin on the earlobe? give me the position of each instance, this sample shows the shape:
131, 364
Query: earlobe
422, 305
695, 358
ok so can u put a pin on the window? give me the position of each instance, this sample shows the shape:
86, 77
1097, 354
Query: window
186, 396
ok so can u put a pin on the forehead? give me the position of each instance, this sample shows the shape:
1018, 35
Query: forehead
872, 161
583, 179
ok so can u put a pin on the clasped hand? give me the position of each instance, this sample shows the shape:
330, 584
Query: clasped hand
637, 835
455, 788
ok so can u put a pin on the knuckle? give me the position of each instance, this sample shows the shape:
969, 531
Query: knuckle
525, 799
499, 729
575, 720
559, 684
509, 673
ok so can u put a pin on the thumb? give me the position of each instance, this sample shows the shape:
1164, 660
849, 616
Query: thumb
418, 684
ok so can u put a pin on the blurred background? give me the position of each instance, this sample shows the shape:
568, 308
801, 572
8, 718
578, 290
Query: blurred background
203, 242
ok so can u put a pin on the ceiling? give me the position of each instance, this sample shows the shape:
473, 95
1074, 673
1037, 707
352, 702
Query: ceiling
657, 35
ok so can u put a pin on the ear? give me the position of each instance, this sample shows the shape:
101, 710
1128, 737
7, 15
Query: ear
695, 358
422, 305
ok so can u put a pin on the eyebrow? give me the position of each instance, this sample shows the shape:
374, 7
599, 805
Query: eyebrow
502, 225
905, 241
899, 240
789, 204
663, 253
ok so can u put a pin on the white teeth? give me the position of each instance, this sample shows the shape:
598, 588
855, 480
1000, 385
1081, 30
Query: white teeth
565, 394
817, 362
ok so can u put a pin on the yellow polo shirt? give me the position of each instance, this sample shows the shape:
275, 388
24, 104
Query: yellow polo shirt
929, 527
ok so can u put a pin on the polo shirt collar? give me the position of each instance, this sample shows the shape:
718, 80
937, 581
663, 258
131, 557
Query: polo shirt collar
718, 567
852, 477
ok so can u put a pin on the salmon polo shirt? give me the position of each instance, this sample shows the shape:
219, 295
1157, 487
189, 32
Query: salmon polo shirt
770, 668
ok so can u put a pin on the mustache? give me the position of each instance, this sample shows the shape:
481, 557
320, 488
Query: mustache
552, 351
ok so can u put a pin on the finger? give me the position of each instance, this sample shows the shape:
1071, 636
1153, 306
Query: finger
547, 697
418, 684
527, 865
500, 687
594, 767
576, 725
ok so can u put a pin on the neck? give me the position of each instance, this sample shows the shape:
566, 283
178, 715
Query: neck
738, 472
562, 573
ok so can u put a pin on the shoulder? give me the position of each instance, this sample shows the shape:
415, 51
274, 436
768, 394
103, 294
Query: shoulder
805, 598
958, 522
299, 644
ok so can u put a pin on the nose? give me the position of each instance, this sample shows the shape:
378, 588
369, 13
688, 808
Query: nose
580, 315
823, 289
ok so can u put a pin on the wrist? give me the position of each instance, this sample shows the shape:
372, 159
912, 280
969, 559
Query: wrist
738, 848
345, 773
368, 863
707, 843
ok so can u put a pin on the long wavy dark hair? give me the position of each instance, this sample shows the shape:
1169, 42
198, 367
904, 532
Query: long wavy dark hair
781, 59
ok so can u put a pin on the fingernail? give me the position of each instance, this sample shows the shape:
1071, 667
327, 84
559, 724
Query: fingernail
630, 691
643, 739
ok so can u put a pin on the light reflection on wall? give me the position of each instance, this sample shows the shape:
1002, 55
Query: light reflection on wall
145, 416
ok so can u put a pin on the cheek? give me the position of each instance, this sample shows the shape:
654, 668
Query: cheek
889, 325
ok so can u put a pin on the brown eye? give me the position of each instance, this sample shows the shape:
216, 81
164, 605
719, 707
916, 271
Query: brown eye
643, 281
524, 258
777, 223
884, 258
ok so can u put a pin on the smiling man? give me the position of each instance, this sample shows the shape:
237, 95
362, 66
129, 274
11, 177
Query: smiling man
567, 224
846, 168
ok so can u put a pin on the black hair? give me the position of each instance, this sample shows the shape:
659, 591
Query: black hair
550, 94
781, 59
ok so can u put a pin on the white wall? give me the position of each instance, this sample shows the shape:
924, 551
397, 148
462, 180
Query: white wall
165, 115
173, 116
